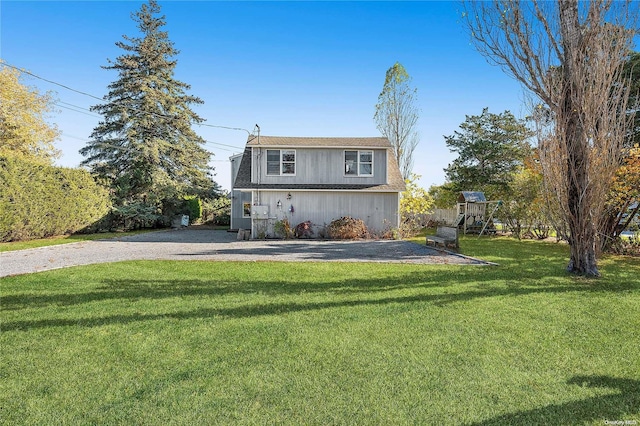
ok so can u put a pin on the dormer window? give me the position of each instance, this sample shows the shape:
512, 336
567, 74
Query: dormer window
358, 163
281, 162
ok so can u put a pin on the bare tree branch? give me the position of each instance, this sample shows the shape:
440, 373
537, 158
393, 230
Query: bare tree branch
570, 54
396, 116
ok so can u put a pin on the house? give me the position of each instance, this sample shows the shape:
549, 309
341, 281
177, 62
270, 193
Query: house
315, 179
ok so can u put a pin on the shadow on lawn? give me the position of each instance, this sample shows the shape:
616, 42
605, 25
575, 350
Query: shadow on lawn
484, 282
614, 407
352, 293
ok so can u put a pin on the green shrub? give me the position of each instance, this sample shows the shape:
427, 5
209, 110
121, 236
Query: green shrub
217, 211
38, 200
221, 220
194, 208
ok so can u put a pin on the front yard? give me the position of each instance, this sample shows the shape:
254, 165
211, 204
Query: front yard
162, 342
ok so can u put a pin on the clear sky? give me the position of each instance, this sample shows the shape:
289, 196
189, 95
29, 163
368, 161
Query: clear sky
293, 68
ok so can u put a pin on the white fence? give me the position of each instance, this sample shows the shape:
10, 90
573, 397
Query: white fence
444, 216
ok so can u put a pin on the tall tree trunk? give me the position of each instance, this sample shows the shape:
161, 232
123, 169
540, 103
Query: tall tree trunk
582, 239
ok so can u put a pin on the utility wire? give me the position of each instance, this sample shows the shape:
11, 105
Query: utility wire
75, 110
100, 99
207, 142
75, 106
224, 127
74, 137
49, 81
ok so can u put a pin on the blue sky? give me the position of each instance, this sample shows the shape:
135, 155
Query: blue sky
293, 68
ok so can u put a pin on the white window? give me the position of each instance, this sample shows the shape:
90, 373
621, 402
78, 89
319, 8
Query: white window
246, 209
281, 162
358, 163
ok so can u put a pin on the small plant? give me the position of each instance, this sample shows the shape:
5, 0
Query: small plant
626, 245
304, 230
261, 229
321, 231
347, 228
395, 234
282, 229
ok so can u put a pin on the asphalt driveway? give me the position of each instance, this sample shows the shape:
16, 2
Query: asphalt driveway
216, 245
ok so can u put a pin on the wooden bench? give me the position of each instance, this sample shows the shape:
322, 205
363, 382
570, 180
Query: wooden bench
444, 235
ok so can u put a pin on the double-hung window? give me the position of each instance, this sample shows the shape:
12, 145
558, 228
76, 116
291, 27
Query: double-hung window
281, 162
358, 163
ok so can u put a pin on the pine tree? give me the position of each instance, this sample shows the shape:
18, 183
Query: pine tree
491, 150
145, 147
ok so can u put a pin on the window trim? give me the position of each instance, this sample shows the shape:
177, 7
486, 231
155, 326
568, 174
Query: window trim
357, 163
246, 215
281, 162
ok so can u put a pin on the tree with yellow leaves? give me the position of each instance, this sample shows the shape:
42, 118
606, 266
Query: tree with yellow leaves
415, 203
623, 203
24, 130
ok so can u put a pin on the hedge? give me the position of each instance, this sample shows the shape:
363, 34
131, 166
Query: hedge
39, 200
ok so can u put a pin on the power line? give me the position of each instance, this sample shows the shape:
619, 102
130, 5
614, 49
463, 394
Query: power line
101, 99
224, 127
50, 81
207, 142
98, 116
75, 110
216, 147
72, 105
222, 144
74, 137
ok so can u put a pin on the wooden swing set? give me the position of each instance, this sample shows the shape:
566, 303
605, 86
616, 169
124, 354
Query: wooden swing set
472, 213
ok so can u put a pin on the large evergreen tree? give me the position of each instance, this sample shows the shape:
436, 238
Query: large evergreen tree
145, 147
491, 148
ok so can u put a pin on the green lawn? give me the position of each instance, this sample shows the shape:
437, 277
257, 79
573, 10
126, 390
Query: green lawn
162, 342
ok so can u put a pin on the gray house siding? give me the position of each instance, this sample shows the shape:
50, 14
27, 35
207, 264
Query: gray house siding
238, 198
320, 190
319, 166
238, 221
379, 211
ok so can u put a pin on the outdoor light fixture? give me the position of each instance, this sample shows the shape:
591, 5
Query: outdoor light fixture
279, 205
291, 209
288, 196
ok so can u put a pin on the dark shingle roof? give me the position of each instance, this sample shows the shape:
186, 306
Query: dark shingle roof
243, 178
395, 184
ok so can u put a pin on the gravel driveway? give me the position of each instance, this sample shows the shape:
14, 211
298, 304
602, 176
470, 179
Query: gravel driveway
215, 245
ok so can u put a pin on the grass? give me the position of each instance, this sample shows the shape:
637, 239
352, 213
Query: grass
65, 239
163, 342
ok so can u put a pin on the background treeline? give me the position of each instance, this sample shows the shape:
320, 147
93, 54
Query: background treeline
38, 200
